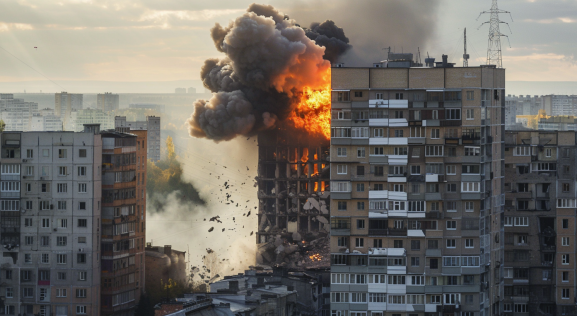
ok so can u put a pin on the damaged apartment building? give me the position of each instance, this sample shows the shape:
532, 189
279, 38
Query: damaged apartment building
417, 197
293, 192
540, 223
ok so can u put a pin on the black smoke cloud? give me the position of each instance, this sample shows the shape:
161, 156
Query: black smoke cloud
269, 59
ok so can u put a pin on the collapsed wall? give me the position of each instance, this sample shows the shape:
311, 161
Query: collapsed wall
293, 191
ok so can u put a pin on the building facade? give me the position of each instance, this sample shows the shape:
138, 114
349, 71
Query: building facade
16, 113
152, 125
560, 104
65, 102
540, 223
50, 218
107, 102
123, 221
417, 191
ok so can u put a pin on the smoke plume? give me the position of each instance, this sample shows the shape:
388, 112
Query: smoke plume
269, 61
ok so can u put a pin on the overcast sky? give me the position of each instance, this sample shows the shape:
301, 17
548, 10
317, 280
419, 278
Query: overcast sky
153, 40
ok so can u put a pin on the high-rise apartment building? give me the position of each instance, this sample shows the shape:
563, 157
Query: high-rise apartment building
560, 104
152, 125
107, 102
123, 220
66, 102
16, 113
540, 223
50, 223
417, 198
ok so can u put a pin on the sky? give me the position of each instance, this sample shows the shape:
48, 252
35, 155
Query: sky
62, 43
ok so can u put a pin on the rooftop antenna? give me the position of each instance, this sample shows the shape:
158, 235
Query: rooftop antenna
418, 55
465, 55
494, 48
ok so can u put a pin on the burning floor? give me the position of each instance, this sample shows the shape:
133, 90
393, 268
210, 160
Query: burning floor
293, 191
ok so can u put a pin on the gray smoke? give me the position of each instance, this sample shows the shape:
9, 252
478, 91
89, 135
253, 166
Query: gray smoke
269, 59
373, 25
330, 36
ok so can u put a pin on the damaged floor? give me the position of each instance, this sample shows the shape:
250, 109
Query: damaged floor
293, 191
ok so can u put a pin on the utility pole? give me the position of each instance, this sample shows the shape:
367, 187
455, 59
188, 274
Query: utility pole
494, 56
465, 55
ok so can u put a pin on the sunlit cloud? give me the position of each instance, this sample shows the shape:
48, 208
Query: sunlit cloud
5, 27
551, 21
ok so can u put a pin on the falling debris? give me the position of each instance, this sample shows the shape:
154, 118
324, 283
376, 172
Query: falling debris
210, 229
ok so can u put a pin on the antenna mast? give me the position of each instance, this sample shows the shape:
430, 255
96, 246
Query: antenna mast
494, 56
465, 55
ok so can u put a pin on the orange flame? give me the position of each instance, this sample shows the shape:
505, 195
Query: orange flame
313, 112
316, 257
305, 156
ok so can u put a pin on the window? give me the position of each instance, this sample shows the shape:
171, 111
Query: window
472, 151
521, 308
82, 223
61, 293
435, 133
453, 114
360, 152
399, 96
29, 153
360, 132
398, 188
358, 94
359, 242
522, 151
10, 186
29, 170
61, 241
360, 187
378, 151
451, 243
396, 279
61, 258
435, 114
80, 293
377, 243
80, 258
521, 221
46, 223
45, 187
341, 169
45, 258
62, 153
416, 169
29, 240
565, 241
62, 171
470, 114
470, 187
379, 96
81, 171
342, 205
415, 244
82, 187
434, 151
451, 169
415, 188
378, 132
400, 151
45, 171
564, 293
29, 205
80, 309
45, 152
360, 224
82, 275
470, 169
451, 225
27, 222
414, 261
565, 276
432, 244
399, 132
44, 240
342, 241
565, 223
565, 259
548, 152
343, 96
469, 243
452, 299
451, 187
397, 244
82, 205
62, 187
470, 95
340, 132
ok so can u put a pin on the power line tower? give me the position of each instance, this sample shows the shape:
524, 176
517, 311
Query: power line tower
465, 55
494, 48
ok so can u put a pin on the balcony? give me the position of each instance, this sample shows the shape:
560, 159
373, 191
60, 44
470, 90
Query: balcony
450, 122
452, 141
416, 178
448, 308
378, 232
397, 232
434, 215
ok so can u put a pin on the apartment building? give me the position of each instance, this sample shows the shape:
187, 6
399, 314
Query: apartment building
107, 102
152, 125
560, 104
76, 120
16, 113
540, 223
123, 220
65, 102
417, 194
50, 223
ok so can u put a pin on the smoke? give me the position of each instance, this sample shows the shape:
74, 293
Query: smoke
269, 60
374, 25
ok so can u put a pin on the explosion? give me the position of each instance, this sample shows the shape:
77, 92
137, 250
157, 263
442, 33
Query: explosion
274, 71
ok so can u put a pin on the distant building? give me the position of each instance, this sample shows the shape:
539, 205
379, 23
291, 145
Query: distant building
65, 103
77, 119
560, 104
180, 90
107, 102
558, 123
191, 90
163, 263
47, 123
152, 125
16, 113
148, 106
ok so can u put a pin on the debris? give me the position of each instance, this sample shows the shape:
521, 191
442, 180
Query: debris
210, 229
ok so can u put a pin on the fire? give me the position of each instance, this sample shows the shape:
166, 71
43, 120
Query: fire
316, 257
313, 112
